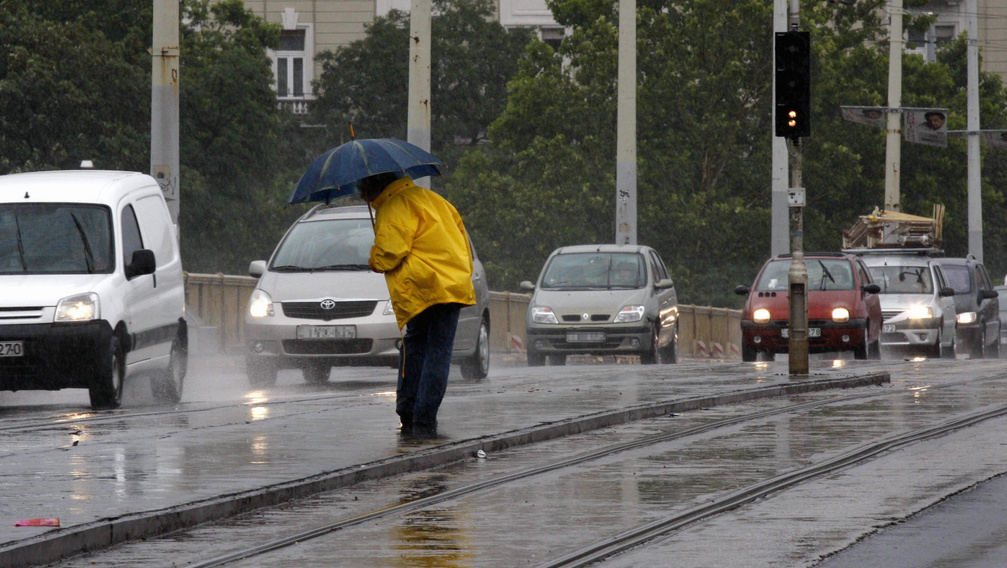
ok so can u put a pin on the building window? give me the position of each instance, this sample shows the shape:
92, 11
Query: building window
944, 34
290, 78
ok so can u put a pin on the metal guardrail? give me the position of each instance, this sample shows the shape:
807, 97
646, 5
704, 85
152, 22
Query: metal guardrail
217, 303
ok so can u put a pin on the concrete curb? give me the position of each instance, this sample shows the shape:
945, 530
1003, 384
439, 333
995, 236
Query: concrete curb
60, 544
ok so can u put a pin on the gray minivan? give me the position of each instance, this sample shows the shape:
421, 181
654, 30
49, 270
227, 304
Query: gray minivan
602, 300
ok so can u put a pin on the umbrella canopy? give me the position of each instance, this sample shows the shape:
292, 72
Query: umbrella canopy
336, 172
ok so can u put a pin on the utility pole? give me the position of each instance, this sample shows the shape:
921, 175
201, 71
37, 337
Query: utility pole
418, 118
779, 241
164, 104
975, 203
893, 138
625, 164
792, 120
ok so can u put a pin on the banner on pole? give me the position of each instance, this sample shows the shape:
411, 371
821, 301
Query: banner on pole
871, 116
995, 138
926, 126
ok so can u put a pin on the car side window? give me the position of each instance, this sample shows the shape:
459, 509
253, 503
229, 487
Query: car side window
131, 240
660, 271
941, 282
865, 275
984, 278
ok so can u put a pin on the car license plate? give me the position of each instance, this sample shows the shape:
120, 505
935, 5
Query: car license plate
887, 328
585, 336
11, 348
812, 332
326, 332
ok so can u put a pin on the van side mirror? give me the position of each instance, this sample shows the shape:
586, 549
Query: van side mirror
141, 263
741, 290
946, 292
988, 294
526, 285
872, 288
664, 283
256, 268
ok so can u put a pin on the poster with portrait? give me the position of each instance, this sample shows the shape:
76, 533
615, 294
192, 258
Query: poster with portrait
995, 138
926, 126
871, 116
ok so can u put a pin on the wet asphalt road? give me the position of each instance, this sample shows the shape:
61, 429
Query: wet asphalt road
522, 525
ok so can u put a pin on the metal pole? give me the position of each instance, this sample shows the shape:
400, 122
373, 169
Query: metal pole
164, 104
798, 275
893, 140
779, 225
625, 164
974, 168
418, 121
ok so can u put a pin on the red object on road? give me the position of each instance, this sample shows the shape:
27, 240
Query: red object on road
50, 522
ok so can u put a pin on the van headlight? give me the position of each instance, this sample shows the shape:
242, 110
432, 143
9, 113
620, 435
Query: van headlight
260, 305
82, 307
920, 312
629, 314
967, 317
543, 314
389, 310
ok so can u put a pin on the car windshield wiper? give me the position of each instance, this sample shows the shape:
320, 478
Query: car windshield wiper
20, 245
291, 268
343, 267
88, 257
825, 273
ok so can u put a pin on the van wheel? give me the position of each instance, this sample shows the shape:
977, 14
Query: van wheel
477, 366
105, 389
167, 388
315, 373
260, 372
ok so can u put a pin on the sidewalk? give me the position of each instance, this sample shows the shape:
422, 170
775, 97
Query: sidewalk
188, 469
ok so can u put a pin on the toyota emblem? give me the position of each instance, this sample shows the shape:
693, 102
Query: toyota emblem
327, 304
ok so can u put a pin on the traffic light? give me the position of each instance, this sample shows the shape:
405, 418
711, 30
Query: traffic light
793, 84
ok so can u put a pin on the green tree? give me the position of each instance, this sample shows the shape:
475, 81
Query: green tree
472, 57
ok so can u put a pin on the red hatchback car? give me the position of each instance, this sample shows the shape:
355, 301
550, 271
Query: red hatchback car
844, 312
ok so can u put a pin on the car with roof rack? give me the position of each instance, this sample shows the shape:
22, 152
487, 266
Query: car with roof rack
844, 312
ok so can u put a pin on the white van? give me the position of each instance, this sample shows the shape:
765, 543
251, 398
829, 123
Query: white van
92, 282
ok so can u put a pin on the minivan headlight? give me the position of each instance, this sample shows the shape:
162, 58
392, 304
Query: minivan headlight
82, 307
260, 305
967, 317
543, 314
389, 310
920, 312
629, 314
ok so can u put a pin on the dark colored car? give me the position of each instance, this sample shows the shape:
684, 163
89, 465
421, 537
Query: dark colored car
1002, 293
844, 312
977, 305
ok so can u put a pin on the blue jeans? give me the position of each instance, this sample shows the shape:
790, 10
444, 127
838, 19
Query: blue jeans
425, 363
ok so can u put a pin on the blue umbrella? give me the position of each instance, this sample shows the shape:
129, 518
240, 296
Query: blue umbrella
335, 173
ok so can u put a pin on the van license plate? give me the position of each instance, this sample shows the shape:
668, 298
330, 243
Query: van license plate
585, 336
326, 332
888, 328
812, 332
11, 348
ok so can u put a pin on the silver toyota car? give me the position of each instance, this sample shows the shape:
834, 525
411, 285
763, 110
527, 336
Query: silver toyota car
317, 304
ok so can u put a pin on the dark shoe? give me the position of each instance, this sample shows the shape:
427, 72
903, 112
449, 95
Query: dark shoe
421, 430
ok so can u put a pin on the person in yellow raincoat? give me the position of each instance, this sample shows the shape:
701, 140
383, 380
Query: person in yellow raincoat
421, 247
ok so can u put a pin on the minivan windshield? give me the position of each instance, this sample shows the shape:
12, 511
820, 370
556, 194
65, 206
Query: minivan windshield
332, 244
823, 274
55, 238
902, 279
957, 276
595, 270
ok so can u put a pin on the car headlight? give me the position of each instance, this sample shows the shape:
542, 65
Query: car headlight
920, 312
761, 315
840, 315
967, 317
389, 310
629, 314
260, 305
542, 314
83, 307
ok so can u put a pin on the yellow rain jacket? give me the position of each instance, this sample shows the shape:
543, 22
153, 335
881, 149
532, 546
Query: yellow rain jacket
421, 246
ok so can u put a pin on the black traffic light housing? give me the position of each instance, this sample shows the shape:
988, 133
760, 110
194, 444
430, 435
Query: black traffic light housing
793, 84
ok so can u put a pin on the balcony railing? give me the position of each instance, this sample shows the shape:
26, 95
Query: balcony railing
296, 105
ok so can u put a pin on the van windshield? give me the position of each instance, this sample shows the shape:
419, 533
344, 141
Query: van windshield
595, 270
902, 279
334, 244
55, 238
